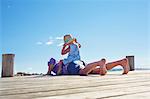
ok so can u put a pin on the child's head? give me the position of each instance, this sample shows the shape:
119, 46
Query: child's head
68, 39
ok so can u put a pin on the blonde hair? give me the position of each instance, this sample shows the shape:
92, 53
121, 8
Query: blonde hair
68, 38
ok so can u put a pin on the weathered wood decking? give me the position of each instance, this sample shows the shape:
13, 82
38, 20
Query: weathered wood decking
114, 85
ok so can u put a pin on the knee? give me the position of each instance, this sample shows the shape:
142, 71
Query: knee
103, 60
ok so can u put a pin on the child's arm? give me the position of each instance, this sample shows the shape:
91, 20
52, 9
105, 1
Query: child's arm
65, 50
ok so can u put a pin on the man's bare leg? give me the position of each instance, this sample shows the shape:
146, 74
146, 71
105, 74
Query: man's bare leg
91, 67
124, 63
100, 70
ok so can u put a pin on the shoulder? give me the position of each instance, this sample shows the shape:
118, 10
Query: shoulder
73, 45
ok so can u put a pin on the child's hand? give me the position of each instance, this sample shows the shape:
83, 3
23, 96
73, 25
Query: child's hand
75, 40
79, 45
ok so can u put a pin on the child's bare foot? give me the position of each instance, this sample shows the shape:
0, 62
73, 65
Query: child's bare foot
125, 65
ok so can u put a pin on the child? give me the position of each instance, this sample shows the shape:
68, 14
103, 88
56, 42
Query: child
71, 46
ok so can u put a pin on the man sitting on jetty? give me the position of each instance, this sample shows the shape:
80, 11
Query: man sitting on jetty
73, 65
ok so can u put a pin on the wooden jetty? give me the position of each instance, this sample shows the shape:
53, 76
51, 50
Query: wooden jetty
135, 85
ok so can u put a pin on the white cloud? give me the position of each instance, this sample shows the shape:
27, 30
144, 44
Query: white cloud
59, 38
39, 43
61, 44
49, 42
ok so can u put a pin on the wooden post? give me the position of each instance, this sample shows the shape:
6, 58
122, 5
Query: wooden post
7, 65
131, 62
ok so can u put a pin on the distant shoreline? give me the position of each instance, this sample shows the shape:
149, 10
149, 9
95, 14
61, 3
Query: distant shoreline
135, 69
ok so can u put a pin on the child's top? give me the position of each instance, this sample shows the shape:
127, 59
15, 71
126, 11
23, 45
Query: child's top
73, 54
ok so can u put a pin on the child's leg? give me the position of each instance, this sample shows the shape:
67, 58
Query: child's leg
124, 63
91, 67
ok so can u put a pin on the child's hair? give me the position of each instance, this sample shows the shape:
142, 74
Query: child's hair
68, 38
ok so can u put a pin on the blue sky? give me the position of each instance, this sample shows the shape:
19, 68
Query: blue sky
111, 29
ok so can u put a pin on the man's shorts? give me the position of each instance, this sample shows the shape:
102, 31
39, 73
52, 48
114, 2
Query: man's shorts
73, 69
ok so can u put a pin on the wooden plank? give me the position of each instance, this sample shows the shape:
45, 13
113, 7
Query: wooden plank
71, 86
109, 94
56, 82
86, 92
142, 95
54, 87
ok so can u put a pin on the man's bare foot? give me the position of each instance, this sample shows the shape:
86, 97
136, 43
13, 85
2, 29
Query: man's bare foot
125, 65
